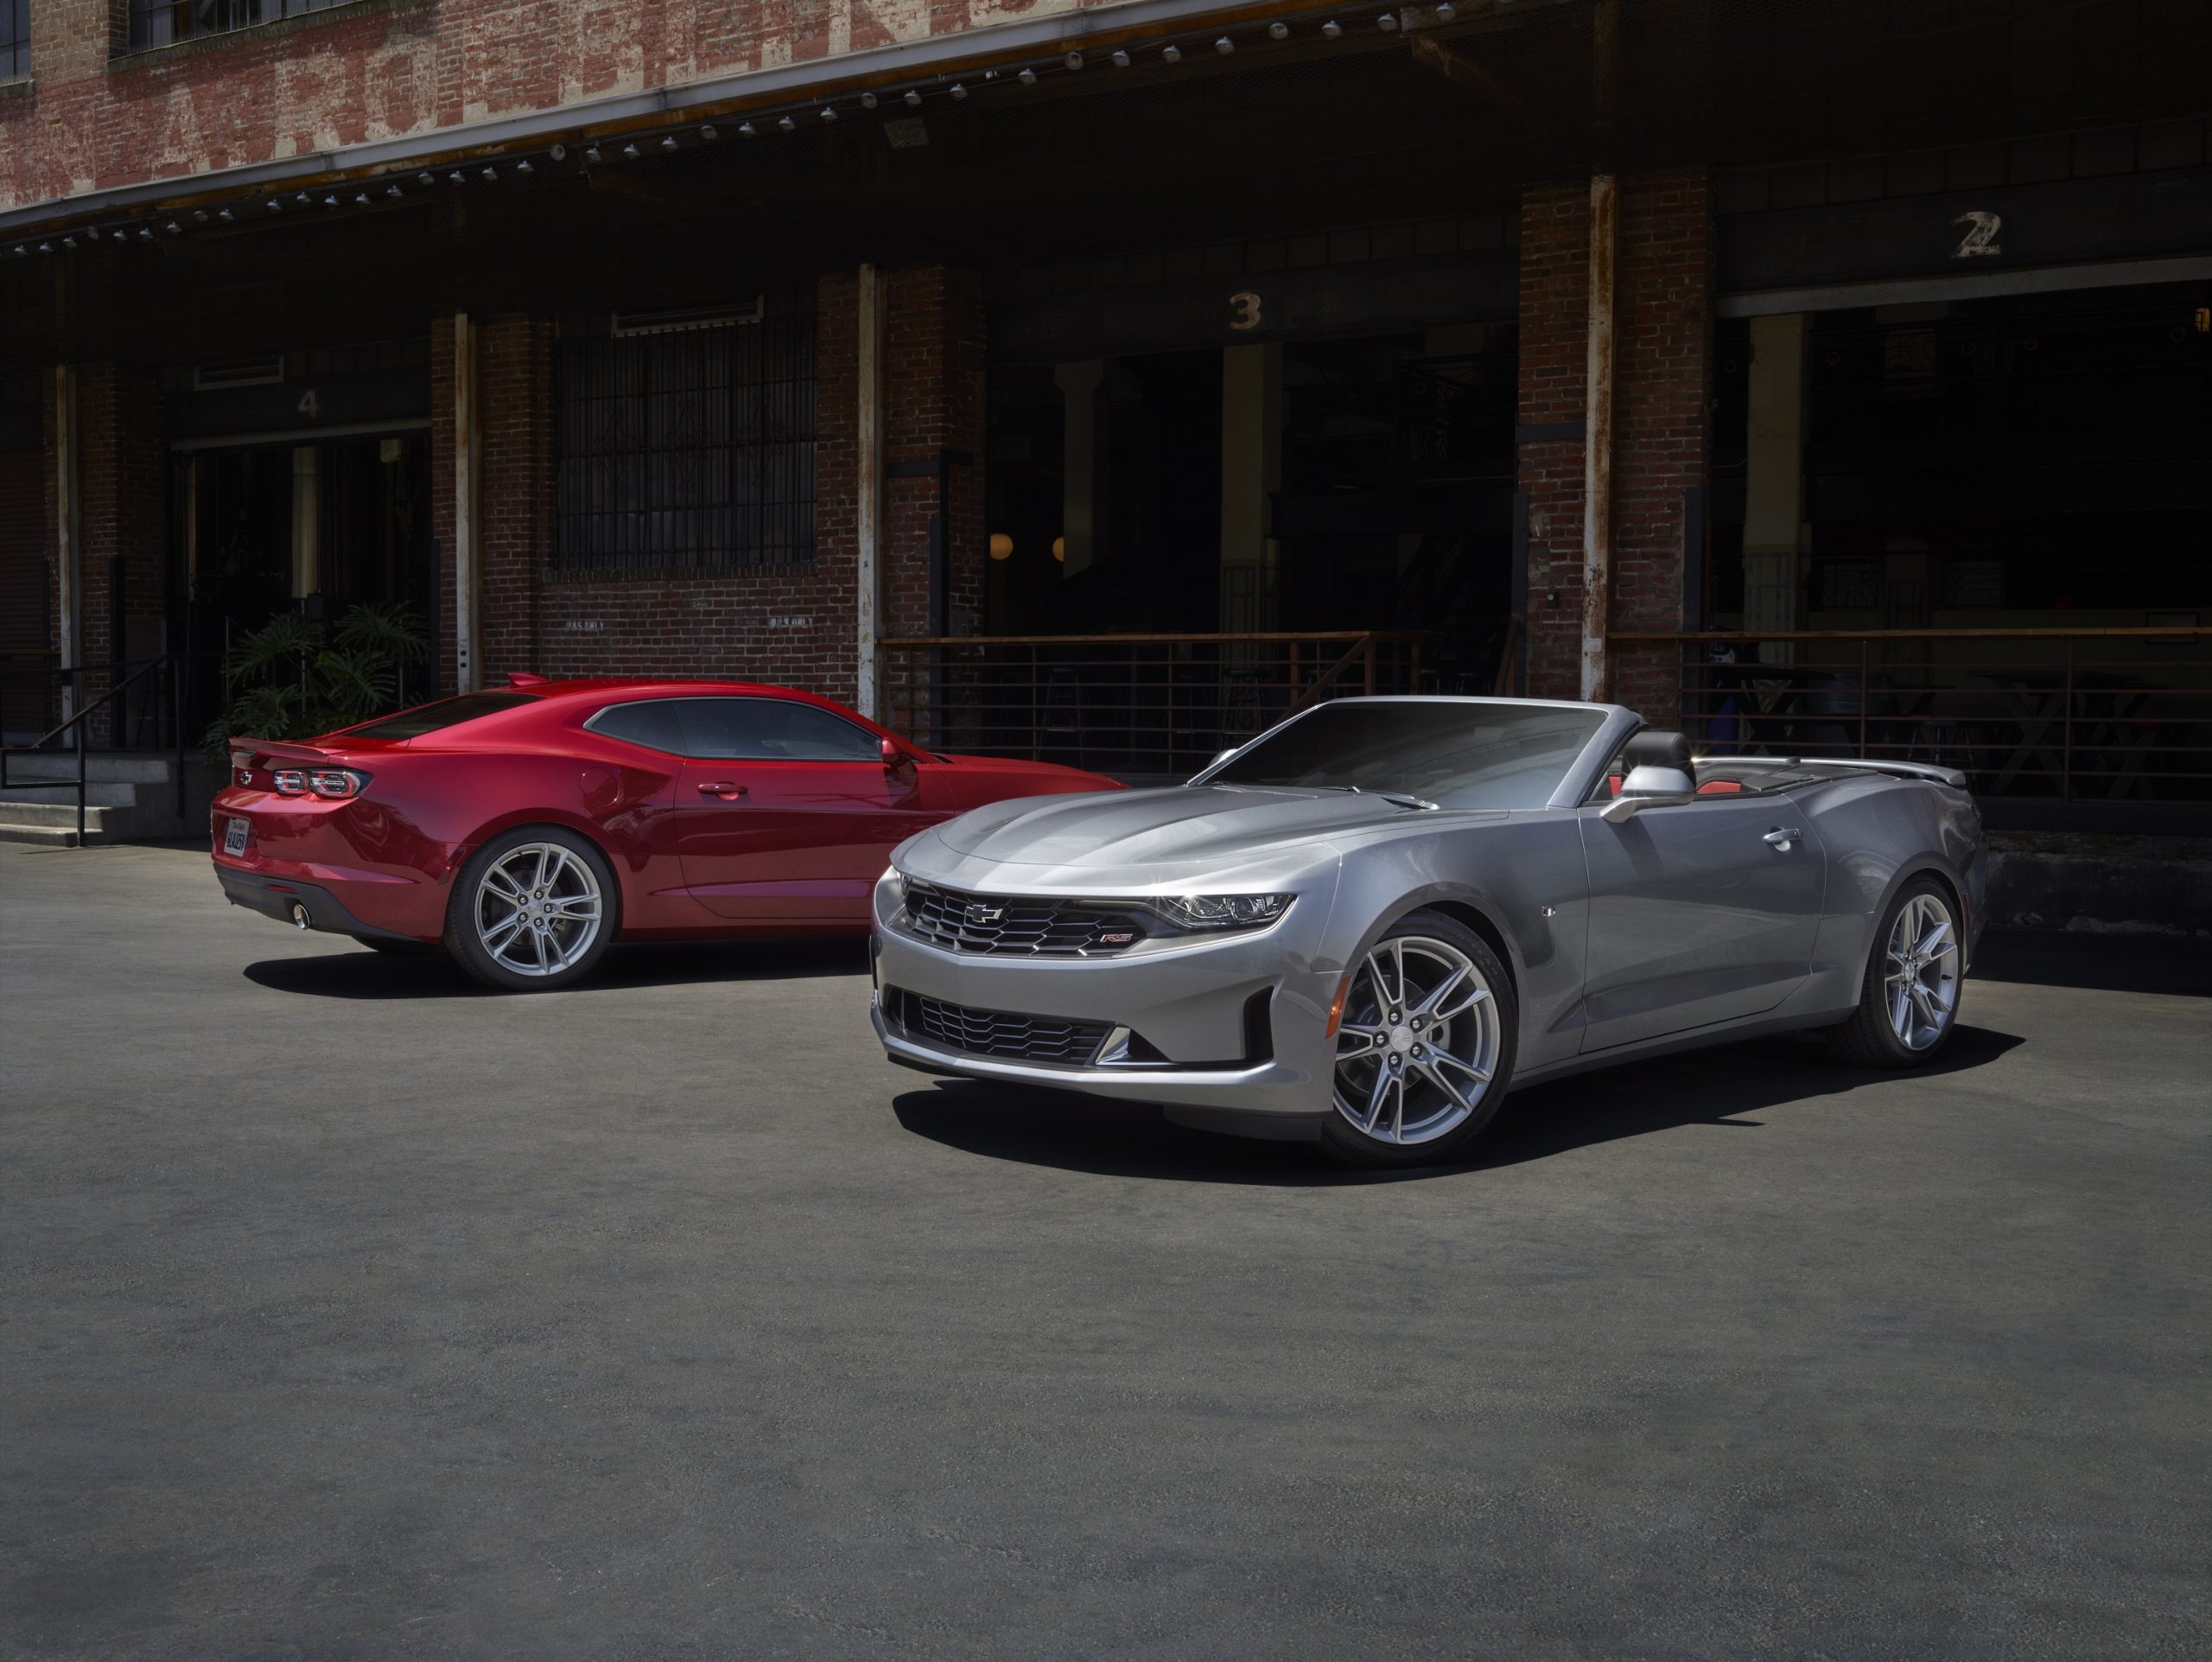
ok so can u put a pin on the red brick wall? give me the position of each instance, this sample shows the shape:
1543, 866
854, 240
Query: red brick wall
124, 502
793, 625
1662, 392
391, 68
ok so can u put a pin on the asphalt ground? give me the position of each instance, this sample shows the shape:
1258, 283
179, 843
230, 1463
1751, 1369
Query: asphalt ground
350, 1312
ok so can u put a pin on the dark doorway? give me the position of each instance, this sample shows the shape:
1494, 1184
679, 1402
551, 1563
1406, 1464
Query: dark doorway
318, 527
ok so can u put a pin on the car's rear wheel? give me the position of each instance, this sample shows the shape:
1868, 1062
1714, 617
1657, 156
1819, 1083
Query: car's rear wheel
533, 910
1911, 1000
1424, 1045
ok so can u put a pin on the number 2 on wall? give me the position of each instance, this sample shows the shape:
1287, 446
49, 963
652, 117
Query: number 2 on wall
1245, 310
1982, 238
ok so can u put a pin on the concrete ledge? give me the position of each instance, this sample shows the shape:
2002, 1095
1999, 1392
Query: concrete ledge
2090, 882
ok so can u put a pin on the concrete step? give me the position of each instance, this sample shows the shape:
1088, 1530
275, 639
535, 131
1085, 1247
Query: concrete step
60, 831
110, 767
98, 794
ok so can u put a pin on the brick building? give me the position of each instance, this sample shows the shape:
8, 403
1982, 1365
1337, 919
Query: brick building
879, 348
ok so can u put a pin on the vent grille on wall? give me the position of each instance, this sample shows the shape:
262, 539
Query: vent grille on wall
238, 372
678, 319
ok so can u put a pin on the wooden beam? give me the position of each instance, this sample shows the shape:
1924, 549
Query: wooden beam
1463, 71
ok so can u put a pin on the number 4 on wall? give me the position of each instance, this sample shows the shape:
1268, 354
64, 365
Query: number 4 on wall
309, 405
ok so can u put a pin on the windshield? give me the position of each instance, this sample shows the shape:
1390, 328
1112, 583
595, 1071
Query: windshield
447, 712
1457, 755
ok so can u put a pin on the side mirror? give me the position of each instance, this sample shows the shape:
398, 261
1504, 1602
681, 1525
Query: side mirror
1649, 787
893, 757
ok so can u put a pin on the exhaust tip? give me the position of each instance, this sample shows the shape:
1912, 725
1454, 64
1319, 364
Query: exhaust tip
300, 919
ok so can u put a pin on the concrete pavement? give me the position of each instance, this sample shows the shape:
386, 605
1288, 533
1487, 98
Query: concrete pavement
352, 1313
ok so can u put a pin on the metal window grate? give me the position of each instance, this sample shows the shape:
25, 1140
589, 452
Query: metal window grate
159, 22
689, 449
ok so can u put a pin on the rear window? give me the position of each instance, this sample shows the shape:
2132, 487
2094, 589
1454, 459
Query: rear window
445, 712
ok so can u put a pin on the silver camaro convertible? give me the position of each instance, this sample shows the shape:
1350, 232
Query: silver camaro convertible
1368, 924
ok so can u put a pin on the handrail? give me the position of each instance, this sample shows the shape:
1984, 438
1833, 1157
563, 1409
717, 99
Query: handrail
1239, 638
2160, 630
83, 750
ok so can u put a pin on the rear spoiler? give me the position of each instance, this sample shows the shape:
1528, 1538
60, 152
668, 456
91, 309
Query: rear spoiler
278, 750
1927, 770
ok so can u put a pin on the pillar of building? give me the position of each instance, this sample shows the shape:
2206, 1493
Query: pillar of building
1774, 480
510, 494
1082, 476
1663, 395
1251, 472
120, 580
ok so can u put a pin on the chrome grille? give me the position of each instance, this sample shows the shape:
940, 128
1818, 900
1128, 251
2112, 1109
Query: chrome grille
997, 1033
1017, 925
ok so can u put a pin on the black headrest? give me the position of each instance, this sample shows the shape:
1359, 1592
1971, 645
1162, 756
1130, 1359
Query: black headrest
1652, 748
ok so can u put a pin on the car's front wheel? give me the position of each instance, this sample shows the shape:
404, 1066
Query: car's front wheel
533, 910
1424, 1045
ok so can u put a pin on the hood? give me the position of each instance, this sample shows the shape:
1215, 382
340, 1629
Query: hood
1182, 825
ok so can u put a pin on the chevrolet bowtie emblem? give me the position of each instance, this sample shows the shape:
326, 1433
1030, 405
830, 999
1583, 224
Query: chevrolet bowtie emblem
980, 914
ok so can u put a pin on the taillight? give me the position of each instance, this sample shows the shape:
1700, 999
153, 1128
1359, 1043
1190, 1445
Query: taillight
337, 783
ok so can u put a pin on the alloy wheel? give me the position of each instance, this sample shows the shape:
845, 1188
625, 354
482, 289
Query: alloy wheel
1921, 978
1418, 1042
537, 909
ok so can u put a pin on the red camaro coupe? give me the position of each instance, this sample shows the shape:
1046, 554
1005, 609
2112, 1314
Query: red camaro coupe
527, 828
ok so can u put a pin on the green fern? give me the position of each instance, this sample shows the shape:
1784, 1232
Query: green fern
289, 681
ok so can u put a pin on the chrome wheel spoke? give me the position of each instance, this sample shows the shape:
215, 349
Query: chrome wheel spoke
538, 909
1423, 1005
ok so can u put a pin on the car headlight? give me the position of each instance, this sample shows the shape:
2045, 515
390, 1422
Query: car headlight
1221, 911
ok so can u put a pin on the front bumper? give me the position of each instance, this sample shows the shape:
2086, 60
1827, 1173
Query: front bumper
1189, 1006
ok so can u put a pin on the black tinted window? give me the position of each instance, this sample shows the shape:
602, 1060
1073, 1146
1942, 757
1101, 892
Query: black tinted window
447, 712
1470, 756
652, 722
771, 730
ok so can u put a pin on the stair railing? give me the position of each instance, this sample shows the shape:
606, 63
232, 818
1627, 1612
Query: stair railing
73, 726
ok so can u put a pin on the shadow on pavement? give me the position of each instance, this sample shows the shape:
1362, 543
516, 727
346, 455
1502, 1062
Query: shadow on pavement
2098, 962
430, 974
1715, 1087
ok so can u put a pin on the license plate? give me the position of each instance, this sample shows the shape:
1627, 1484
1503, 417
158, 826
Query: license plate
235, 834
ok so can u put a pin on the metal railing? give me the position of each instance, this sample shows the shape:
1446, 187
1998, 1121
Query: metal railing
1138, 704
2073, 715
112, 716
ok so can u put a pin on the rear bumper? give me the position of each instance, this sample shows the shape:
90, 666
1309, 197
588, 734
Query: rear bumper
288, 899
1191, 1007
305, 853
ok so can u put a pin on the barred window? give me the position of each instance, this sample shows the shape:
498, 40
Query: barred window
687, 438
158, 22
15, 39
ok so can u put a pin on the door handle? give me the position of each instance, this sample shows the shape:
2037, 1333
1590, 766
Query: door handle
723, 788
1782, 841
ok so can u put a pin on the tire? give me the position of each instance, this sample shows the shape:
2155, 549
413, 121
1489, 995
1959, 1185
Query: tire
1446, 1094
1909, 1005
533, 910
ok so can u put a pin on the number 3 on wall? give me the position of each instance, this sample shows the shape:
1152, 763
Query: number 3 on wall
1244, 310
1981, 238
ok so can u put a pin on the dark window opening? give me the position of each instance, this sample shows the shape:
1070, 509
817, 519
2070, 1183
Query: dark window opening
690, 449
161, 22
